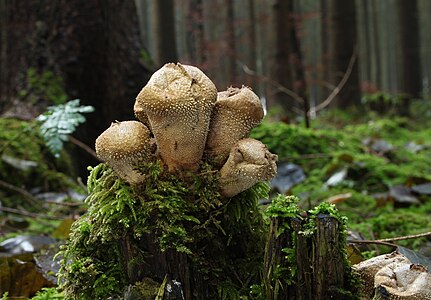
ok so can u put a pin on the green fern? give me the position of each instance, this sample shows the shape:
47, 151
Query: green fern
59, 121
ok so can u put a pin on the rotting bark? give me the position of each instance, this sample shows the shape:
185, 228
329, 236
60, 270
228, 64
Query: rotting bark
304, 262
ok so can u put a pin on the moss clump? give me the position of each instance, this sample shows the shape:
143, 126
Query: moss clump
222, 238
45, 86
26, 163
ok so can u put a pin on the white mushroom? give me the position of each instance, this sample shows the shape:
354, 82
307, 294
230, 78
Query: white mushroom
123, 146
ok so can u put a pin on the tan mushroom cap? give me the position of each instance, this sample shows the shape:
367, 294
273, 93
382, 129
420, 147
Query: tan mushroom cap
122, 146
249, 162
178, 101
236, 112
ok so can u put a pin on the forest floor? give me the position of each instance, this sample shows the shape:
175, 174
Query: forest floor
375, 168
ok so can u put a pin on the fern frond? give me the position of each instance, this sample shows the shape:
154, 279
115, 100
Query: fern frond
59, 121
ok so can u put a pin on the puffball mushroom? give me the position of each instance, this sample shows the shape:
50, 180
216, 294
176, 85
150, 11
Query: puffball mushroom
178, 101
122, 146
249, 162
236, 112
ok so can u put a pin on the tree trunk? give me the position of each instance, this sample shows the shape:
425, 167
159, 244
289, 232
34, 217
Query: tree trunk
93, 45
342, 44
301, 266
411, 81
164, 32
286, 64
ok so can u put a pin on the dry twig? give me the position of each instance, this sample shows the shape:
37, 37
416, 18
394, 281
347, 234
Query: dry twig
387, 241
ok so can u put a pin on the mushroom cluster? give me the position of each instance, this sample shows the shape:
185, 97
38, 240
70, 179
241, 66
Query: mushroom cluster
183, 120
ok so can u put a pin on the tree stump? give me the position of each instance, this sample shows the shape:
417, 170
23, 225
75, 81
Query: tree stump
305, 255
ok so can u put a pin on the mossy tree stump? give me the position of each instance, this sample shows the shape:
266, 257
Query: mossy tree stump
172, 238
305, 254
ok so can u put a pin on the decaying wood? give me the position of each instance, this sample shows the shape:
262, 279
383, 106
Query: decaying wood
318, 261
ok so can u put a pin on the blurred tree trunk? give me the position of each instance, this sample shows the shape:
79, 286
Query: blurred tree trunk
286, 65
93, 45
195, 33
163, 19
341, 48
231, 43
375, 45
252, 43
411, 81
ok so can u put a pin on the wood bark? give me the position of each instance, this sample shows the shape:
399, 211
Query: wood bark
93, 45
318, 260
286, 61
164, 32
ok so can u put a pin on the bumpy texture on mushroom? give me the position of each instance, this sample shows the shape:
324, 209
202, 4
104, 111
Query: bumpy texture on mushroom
178, 101
249, 162
123, 145
403, 281
235, 113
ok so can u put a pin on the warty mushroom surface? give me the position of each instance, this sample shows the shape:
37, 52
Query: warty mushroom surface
124, 145
178, 101
249, 162
236, 112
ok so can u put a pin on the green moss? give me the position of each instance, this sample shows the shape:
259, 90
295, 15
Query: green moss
48, 294
301, 224
223, 238
46, 85
323, 151
21, 145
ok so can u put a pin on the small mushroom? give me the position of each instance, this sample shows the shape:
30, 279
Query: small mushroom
249, 162
122, 146
235, 113
178, 101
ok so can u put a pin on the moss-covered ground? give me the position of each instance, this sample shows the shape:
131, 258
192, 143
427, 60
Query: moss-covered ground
354, 146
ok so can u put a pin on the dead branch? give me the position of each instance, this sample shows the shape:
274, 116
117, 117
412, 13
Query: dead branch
26, 195
338, 88
388, 240
335, 90
407, 237
29, 214
274, 83
373, 242
83, 146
